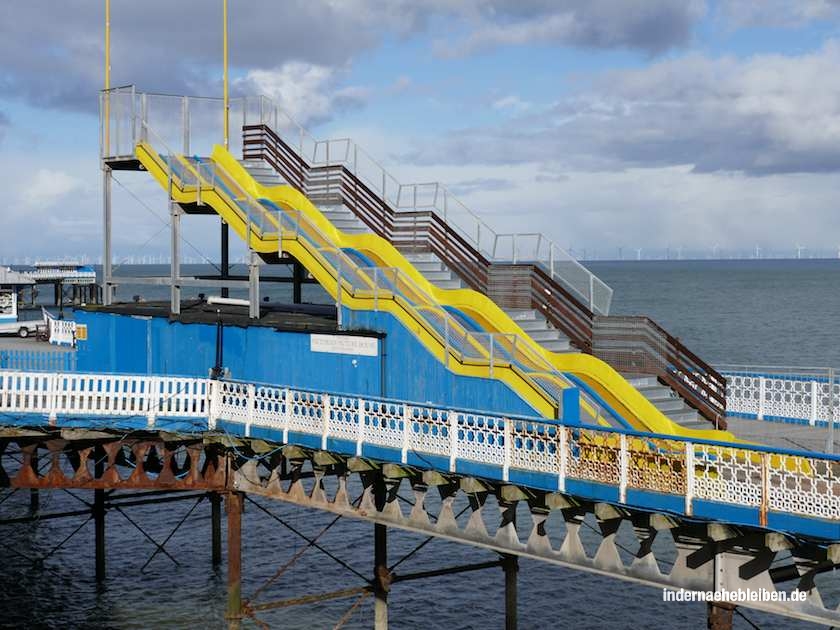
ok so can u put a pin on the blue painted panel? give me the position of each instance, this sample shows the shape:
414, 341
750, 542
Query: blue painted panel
125, 344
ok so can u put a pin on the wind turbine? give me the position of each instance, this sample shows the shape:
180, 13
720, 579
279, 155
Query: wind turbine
638, 253
799, 250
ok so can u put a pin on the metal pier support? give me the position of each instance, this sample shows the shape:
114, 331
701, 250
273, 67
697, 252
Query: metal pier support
175, 250
298, 274
510, 565
719, 616
107, 289
99, 521
216, 527
234, 501
380, 575
34, 497
225, 245
253, 285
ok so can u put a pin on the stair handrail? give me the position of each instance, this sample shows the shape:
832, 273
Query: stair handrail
436, 196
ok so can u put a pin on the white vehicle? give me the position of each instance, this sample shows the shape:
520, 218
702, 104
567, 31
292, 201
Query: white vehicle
9, 322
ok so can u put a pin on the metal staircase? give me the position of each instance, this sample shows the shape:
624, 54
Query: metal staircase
561, 302
667, 401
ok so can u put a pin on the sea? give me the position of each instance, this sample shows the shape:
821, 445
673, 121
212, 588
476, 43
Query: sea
755, 312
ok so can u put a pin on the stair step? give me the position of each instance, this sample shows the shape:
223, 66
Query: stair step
449, 284
669, 404
438, 275
416, 257
427, 266
533, 324
688, 418
546, 335
522, 314
640, 381
557, 345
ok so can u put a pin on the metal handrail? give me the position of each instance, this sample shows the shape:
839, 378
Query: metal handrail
474, 229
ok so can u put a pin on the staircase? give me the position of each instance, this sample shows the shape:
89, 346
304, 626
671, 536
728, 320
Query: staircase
557, 301
540, 330
434, 270
667, 401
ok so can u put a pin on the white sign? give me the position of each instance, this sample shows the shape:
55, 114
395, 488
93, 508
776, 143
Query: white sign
344, 344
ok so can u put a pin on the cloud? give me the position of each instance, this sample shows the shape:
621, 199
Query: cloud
47, 187
652, 26
778, 13
51, 53
763, 115
308, 92
511, 102
483, 184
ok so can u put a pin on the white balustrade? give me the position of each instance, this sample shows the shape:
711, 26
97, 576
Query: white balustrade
806, 395
770, 480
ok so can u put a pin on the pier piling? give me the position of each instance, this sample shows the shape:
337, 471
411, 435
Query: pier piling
99, 521
216, 528
234, 559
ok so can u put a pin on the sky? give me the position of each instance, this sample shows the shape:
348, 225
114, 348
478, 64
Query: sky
690, 126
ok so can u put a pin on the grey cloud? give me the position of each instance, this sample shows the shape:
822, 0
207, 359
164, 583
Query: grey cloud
652, 26
769, 114
777, 13
51, 53
483, 184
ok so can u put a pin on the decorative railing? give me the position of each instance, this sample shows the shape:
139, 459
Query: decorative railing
786, 394
532, 452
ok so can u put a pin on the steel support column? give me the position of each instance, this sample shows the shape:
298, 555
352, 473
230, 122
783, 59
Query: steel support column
34, 497
381, 575
175, 251
719, 615
253, 285
216, 527
298, 275
510, 565
225, 256
99, 521
107, 289
233, 503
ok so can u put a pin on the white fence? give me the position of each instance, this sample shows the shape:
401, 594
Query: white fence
509, 448
802, 395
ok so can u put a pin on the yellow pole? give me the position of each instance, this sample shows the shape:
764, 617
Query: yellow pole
225, 70
107, 102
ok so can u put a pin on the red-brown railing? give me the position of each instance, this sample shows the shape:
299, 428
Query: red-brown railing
630, 344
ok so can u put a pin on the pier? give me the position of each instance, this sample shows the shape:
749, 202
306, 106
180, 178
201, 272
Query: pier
452, 382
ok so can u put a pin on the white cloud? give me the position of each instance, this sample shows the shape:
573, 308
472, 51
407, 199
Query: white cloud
511, 102
310, 93
47, 187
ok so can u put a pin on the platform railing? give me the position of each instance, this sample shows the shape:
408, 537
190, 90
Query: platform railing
530, 451
803, 395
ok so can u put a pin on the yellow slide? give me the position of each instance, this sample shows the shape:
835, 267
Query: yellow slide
414, 301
